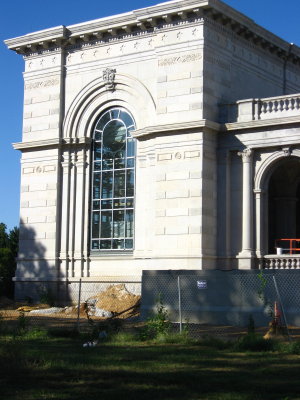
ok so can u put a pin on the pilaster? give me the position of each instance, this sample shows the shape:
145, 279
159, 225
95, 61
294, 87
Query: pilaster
246, 255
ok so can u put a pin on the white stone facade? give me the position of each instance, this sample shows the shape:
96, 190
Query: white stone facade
203, 156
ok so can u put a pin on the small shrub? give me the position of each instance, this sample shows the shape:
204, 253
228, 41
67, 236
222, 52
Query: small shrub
158, 324
290, 348
174, 338
37, 333
46, 296
251, 325
22, 323
122, 338
253, 342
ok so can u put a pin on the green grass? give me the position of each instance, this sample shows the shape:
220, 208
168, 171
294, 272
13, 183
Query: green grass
39, 366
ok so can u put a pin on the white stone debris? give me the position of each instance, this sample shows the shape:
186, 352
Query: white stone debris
51, 310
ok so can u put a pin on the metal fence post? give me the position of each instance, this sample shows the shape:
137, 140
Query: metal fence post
79, 300
179, 304
282, 307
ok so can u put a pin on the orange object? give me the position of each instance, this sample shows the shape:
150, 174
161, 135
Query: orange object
293, 245
277, 312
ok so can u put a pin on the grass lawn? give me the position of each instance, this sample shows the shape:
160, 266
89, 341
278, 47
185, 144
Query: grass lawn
43, 367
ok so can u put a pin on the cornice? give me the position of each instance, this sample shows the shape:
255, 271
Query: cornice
150, 19
46, 39
235, 126
184, 126
39, 144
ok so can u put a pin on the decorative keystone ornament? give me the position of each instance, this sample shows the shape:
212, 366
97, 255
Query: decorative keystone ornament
109, 78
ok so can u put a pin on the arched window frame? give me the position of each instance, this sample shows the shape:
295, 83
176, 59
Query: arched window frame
113, 182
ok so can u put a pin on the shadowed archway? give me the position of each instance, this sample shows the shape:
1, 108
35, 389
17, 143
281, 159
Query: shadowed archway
284, 202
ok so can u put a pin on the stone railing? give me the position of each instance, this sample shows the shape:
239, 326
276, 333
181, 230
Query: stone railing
268, 108
288, 261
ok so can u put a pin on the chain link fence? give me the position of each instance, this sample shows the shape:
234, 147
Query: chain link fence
204, 303
74, 305
223, 302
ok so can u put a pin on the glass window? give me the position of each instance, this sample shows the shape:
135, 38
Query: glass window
112, 214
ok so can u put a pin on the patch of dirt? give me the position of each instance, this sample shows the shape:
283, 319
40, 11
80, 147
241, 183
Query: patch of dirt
116, 299
6, 303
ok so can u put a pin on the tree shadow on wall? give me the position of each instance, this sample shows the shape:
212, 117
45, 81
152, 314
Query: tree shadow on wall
37, 275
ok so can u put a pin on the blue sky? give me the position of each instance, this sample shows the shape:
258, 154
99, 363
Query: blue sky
19, 17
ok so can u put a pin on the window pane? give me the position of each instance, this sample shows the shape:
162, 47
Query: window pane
115, 113
119, 224
119, 203
98, 136
106, 224
105, 244
130, 183
118, 244
97, 151
129, 224
129, 129
103, 121
96, 186
97, 166
107, 184
129, 203
96, 205
126, 118
130, 148
106, 204
119, 163
95, 244
130, 162
119, 184
95, 224
114, 136
107, 163
128, 244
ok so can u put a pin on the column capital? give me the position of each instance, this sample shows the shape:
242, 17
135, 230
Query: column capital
258, 192
246, 155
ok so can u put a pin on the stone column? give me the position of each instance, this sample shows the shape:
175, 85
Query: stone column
224, 208
66, 166
246, 255
259, 196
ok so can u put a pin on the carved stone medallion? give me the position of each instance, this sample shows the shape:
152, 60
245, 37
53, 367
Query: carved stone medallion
109, 78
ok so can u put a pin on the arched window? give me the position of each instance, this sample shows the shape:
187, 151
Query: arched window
112, 222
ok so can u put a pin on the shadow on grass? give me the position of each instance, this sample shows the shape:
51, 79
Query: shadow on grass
61, 369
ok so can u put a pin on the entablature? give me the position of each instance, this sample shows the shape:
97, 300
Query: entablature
151, 19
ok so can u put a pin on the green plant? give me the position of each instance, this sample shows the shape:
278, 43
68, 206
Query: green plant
46, 296
262, 296
173, 338
289, 348
22, 323
253, 342
158, 324
122, 338
251, 325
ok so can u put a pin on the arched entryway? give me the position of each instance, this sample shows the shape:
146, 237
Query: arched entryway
283, 202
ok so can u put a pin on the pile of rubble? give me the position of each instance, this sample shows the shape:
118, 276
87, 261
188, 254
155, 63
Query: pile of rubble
116, 300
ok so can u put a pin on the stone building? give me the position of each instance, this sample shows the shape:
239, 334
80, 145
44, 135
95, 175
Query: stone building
139, 150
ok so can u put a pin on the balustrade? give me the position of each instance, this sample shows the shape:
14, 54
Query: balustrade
267, 108
281, 262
